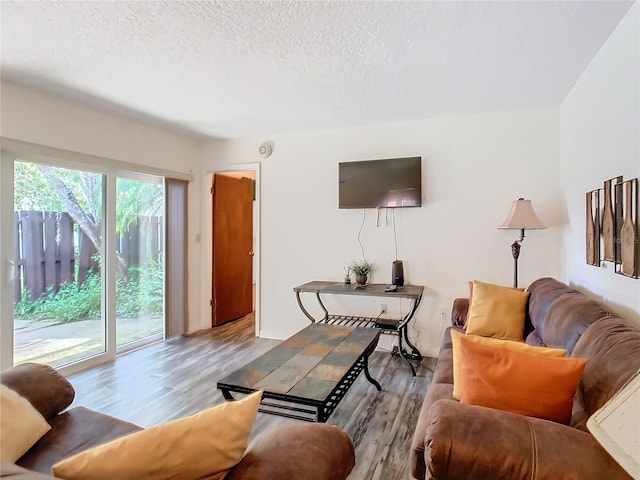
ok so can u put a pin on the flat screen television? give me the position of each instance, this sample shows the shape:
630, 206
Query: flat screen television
386, 183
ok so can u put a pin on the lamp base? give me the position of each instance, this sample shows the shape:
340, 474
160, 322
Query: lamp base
515, 252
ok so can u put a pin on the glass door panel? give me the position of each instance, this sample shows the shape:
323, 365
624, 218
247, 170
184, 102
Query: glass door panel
58, 297
140, 261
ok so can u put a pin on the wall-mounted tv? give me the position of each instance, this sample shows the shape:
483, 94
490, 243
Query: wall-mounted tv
387, 183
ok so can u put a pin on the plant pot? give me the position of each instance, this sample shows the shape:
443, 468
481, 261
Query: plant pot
361, 279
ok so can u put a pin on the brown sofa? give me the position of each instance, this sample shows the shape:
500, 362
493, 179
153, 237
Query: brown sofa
457, 441
309, 451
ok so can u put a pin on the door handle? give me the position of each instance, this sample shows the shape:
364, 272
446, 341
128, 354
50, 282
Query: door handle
251, 254
11, 270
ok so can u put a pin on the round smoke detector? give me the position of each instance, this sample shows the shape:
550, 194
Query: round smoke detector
265, 149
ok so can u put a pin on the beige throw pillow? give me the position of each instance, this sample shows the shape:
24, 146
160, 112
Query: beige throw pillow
207, 445
497, 311
21, 425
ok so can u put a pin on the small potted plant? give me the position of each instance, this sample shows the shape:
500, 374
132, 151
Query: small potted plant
347, 275
361, 269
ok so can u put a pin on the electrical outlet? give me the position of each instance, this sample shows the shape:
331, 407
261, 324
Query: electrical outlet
383, 308
442, 313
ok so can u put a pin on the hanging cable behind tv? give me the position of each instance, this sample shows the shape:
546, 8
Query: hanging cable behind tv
397, 269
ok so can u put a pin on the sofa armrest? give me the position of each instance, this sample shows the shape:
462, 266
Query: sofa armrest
459, 311
48, 391
309, 451
15, 472
467, 441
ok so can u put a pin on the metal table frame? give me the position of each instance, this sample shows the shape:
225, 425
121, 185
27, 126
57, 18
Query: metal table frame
394, 327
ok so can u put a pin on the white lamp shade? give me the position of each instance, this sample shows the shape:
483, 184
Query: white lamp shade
522, 216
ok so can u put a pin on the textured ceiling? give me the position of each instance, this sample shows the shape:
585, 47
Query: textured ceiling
251, 68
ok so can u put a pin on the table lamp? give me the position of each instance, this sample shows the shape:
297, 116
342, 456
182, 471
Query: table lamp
521, 217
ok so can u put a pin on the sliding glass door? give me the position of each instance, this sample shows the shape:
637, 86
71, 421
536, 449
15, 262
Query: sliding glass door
140, 261
58, 277
77, 296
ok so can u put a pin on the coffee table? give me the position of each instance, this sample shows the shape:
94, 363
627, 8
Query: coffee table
307, 375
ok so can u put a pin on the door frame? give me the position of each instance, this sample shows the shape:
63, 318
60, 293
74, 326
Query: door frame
6, 258
237, 167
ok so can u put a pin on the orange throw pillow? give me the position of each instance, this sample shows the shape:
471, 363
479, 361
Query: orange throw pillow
519, 382
497, 311
494, 342
471, 299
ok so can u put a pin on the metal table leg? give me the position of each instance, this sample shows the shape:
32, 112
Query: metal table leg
227, 394
366, 370
304, 310
403, 355
415, 353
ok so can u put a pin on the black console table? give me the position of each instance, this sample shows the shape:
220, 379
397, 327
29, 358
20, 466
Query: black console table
390, 326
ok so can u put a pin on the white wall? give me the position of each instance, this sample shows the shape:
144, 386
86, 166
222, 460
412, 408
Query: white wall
473, 168
600, 139
33, 116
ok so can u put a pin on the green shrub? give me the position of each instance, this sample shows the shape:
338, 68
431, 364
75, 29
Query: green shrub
142, 292
68, 304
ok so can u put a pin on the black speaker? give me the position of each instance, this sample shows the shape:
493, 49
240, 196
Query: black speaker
397, 273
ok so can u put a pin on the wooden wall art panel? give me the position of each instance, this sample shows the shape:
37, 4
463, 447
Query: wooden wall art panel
608, 225
612, 231
593, 228
627, 263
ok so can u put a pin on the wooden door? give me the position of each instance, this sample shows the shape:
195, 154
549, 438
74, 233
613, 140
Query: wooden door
232, 248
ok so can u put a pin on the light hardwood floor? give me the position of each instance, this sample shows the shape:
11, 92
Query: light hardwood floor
172, 379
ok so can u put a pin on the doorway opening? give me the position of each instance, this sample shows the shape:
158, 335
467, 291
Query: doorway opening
235, 245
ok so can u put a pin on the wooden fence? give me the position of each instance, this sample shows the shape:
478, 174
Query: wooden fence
50, 249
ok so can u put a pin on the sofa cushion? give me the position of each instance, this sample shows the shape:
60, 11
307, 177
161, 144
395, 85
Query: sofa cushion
443, 372
72, 432
534, 340
21, 425
542, 293
519, 382
478, 443
47, 390
442, 391
206, 444
613, 349
497, 343
330, 448
497, 311
459, 312
579, 415
15, 472
446, 338
567, 318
